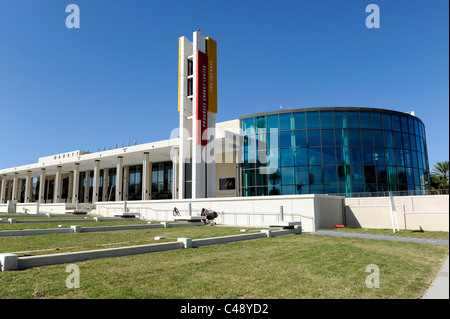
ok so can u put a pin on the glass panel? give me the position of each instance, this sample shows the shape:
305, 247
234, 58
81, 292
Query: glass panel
313, 137
392, 177
331, 189
300, 138
401, 176
301, 175
417, 127
412, 139
249, 125
261, 124
287, 157
249, 177
342, 155
354, 137
387, 121
366, 137
262, 141
388, 139
396, 126
404, 121
343, 172
406, 143
398, 140
358, 190
376, 120
312, 120
411, 125
301, 156
379, 156
286, 139
400, 157
409, 176
341, 137
327, 137
315, 175
299, 120
355, 155
353, 119
314, 156
288, 190
329, 174
415, 163
262, 179
302, 189
340, 119
285, 121
272, 122
390, 156
369, 174
275, 190
316, 189
408, 159
287, 175
378, 139
275, 177
365, 120
329, 156
326, 119
357, 174
262, 191
381, 175
368, 158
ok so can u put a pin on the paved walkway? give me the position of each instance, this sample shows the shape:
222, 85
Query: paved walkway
439, 289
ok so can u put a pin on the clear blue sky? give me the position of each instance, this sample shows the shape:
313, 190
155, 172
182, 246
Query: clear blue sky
114, 80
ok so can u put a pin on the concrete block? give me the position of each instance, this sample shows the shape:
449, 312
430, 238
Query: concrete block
12, 220
8, 262
76, 228
187, 242
165, 224
97, 219
268, 232
160, 237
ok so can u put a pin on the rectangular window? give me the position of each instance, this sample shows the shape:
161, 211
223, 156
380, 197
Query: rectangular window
314, 156
301, 175
285, 121
287, 175
396, 126
387, 121
327, 137
300, 138
227, 183
376, 120
315, 175
355, 156
313, 137
329, 174
313, 120
378, 139
354, 137
366, 137
261, 124
287, 157
369, 174
326, 119
353, 119
388, 139
299, 120
341, 136
340, 119
301, 156
357, 174
365, 120
329, 155
286, 139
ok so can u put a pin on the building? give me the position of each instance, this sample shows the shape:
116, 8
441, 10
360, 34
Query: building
334, 150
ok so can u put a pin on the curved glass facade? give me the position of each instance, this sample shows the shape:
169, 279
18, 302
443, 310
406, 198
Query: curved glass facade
344, 151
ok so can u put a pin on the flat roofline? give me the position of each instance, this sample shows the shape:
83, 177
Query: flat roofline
329, 108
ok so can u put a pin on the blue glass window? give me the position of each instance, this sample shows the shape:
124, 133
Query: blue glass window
326, 119
415, 162
357, 174
299, 120
353, 119
387, 121
315, 156
343, 172
368, 158
404, 121
288, 190
376, 120
342, 155
285, 121
400, 157
316, 189
286, 139
413, 142
365, 120
329, 155
313, 137
329, 174
341, 137
411, 125
301, 175
315, 175
300, 138
301, 156
312, 120
272, 122
379, 156
369, 174
406, 143
287, 175
340, 119
261, 124
275, 190
354, 137
249, 125
398, 140
378, 139
408, 158
388, 139
390, 156
331, 189
287, 157
396, 126
355, 155
327, 137
366, 137
275, 177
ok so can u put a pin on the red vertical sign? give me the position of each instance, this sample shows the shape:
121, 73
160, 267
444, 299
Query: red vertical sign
202, 96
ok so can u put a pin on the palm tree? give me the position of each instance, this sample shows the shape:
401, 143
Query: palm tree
440, 172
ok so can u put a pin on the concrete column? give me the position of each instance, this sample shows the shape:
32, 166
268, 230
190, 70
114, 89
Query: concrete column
119, 177
3, 190
126, 181
87, 185
57, 187
70, 191
41, 198
174, 172
105, 193
28, 187
15, 187
19, 190
96, 181
76, 183
146, 172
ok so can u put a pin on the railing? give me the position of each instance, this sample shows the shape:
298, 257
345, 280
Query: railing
394, 193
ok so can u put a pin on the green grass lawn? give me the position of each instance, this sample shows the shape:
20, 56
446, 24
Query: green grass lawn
401, 233
291, 266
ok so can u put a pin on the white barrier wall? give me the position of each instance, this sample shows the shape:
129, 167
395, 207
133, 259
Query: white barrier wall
414, 212
313, 211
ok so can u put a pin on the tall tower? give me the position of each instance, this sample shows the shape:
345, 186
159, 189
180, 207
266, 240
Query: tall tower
197, 105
